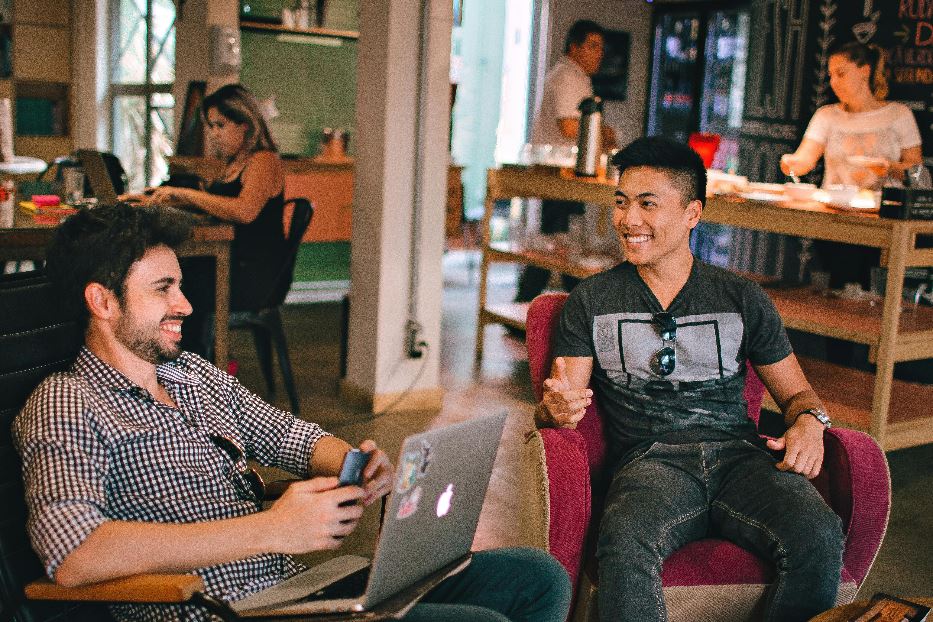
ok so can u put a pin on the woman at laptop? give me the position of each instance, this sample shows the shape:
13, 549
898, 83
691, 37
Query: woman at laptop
249, 194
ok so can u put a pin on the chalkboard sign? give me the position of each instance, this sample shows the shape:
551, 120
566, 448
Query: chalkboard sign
904, 28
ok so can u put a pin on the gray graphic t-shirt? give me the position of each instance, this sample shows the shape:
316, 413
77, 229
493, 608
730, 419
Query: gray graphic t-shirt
722, 321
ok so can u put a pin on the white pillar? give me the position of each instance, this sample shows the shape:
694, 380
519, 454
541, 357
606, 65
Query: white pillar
90, 116
402, 119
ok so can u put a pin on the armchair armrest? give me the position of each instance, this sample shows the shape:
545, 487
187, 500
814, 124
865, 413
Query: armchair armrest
141, 588
569, 495
857, 484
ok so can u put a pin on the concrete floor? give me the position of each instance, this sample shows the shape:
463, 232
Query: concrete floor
512, 514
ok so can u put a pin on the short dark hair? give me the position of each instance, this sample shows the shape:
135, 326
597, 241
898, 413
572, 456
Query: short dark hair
579, 31
100, 245
680, 161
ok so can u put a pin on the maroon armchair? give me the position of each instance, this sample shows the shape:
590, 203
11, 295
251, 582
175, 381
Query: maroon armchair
709, 579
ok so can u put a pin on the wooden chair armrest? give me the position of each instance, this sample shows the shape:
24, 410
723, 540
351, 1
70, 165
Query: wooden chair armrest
141, 588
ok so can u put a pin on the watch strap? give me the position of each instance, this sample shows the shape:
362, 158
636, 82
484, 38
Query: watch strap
819, 414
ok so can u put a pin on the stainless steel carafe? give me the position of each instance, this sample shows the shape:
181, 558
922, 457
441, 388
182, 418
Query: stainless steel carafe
589, 138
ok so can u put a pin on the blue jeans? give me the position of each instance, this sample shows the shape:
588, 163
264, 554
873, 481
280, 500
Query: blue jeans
498, 586
670, 495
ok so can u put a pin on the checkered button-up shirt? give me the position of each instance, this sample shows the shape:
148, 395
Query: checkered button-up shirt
97, 447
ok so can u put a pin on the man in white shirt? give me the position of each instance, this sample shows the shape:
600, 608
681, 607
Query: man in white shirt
567, 84
557, 123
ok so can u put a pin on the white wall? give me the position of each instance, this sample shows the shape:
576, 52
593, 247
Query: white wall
192, 46
90, 120
632, 16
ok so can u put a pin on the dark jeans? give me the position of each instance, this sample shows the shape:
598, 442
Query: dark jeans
555, 216
500, 585
671, 495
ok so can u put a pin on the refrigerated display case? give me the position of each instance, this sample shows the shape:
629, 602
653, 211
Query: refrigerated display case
698, 75
698, 90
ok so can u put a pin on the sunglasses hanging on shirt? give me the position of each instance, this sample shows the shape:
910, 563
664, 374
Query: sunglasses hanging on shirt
665, 359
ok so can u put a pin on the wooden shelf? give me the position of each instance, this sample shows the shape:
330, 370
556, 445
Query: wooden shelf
896, 413
511, 314
556, 261
858, 321
246, 24
847, 394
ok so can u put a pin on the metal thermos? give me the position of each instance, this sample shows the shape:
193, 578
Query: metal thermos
590, 137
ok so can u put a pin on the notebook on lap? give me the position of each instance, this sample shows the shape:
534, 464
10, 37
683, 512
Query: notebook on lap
440, 483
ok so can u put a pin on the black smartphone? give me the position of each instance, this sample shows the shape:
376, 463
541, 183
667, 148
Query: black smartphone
351, 473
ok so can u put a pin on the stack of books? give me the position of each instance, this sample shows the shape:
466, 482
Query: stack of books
46, 208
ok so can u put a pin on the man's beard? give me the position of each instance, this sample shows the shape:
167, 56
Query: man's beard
147, 347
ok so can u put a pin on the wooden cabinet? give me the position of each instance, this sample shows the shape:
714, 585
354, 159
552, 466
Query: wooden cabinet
329, 186
896, 413
40, 85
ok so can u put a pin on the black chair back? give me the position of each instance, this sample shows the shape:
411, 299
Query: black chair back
36, 339
302, 213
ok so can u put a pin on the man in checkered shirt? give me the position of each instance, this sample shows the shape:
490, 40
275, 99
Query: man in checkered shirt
134, 460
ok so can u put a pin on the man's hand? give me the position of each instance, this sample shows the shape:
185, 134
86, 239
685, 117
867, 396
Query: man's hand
378, 474
562, 405
310, 516
803, 447
159, 195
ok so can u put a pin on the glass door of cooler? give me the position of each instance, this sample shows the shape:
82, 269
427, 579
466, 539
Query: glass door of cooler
675, 88
698, 75
723, 92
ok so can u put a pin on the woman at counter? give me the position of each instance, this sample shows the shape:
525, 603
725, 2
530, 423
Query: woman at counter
864, 140
249, 194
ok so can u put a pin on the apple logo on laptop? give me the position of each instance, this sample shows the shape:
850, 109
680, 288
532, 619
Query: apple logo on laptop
443, 501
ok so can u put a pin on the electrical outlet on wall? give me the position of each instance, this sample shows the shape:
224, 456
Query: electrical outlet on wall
225, 50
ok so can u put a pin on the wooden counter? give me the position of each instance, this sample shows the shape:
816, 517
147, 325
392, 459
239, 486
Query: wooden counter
896, 413
327, 184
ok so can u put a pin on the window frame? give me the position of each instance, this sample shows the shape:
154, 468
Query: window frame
145, 89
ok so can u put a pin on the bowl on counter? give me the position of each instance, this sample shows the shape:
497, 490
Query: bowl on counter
720, 182
836, 194
799, 191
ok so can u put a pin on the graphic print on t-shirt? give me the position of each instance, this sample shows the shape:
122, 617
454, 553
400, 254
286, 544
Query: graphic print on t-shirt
706, 346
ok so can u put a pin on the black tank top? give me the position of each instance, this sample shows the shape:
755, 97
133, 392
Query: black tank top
258, 248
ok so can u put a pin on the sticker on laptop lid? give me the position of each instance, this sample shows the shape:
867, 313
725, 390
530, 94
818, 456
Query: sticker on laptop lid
408, 471
425, 459
409, 503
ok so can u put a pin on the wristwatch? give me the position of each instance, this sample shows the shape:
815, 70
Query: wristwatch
820, 415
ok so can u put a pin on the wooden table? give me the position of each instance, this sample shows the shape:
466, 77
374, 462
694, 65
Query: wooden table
844, 613
27, 240
896, 413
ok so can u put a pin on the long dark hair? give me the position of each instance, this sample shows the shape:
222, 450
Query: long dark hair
234, 102
870, 55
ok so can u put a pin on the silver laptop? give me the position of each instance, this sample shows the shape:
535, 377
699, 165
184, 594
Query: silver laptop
98, 176
430, 521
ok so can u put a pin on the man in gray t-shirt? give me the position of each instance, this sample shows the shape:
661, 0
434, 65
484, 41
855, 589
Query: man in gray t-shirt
722, 320
663, 341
